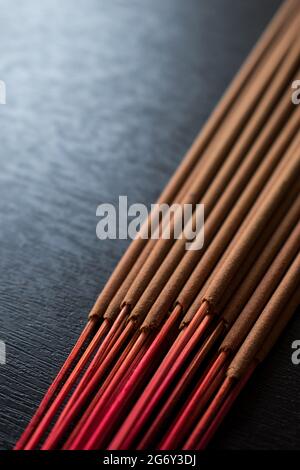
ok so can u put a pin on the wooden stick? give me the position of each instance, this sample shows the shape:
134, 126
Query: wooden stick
262, 354
45, 403
191, 410
136, 417
278, 231
73, 411
62, 395
181, 389
127, 392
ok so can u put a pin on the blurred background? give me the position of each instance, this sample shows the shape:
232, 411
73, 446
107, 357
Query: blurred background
103, 99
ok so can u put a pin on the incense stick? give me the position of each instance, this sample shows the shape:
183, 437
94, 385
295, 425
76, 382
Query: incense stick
122, 271
213, 221
55, 386
217, 150
214, 416
279, 229
243, 167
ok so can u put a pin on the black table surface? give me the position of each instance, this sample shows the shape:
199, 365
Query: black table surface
103, 99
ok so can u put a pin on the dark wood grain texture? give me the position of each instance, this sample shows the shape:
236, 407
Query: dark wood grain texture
103, 99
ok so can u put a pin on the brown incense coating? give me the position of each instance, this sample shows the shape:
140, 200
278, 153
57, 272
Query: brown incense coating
177, 252
114, 306
230, 194
279, 326
255, 251
263, 252
218, 245
213, 253
183, 177
291, 30
169, 194
245, 290
183, 171
256, 263
258, 260
277, 25
247, 198
267, 319
254, 127
232, 222
263, 292
217, 150
274, 29
263, 214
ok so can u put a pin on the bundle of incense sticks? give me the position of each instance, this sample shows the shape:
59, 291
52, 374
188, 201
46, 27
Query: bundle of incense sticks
176, 334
